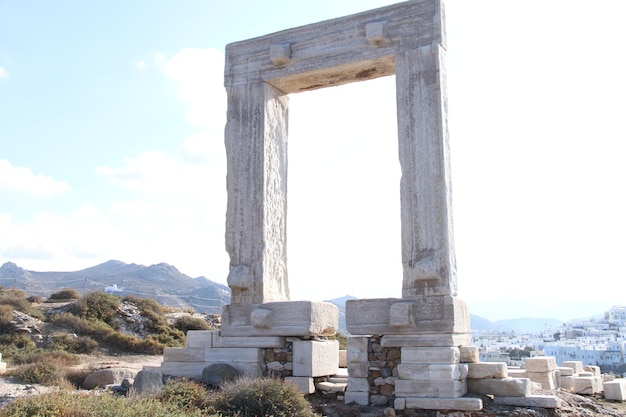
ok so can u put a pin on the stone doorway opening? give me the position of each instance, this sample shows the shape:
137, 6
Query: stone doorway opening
343, 222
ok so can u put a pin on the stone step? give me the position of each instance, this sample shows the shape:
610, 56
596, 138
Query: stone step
338, 379
331, 386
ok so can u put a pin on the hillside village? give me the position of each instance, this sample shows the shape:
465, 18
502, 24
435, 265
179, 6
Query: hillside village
595, 342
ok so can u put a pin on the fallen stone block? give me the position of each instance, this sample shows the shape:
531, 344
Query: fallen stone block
615, 390
548, 380
469, 404
567, 383
540, 364
331, 386
577, 366
484, 370
587, 385
517, 373
542, 401
595, 370
565, 371
500, 387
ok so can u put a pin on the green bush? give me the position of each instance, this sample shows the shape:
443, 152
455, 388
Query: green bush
66, 404
73, 344
98, 306
184, 394
16, 345
186, 323
17, 300
65, 294
247, 397
6, 316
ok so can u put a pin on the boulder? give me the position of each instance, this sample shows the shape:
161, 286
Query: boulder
218, 373
109, 376
147, 381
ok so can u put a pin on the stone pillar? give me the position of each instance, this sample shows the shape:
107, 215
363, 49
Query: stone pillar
428, 261
256, 149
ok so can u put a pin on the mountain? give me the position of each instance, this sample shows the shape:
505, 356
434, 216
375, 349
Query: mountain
162, 282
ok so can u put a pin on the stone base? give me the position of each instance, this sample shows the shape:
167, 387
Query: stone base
285, 318
469, 404
393, 316
543, 401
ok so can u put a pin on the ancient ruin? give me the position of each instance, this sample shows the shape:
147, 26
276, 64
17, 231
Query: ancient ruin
406, 352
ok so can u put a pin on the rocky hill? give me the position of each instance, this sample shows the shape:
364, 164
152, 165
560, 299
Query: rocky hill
163, 282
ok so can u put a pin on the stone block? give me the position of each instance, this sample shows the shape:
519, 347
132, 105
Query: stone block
315, 357
542, 401
540, 364
379, 400
281, 318
433, 372
516, 372
305, 385
331, 386
232, 355
200, 338
358, 384
426, 340
577, 366
469, 354
399, 404
500, 387
468, 404
178, 354
357, 356
248, 342
566, 383
615, 390
484, 370
587, 385
565, 371
595, 370
389, 316
360, 398
430, 355
432, 389
548, 380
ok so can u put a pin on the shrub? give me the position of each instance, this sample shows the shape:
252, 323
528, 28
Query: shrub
17, 300
6, 316
105, 405
186, 323
184, 394
65, 294
44, 373
98, 306
73, 344
16, 345
247, 397
36, 299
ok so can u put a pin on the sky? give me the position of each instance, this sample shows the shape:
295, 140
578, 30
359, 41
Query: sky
111, 147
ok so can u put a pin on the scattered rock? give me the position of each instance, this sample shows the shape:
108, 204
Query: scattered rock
110, 376
218, 373
148, 381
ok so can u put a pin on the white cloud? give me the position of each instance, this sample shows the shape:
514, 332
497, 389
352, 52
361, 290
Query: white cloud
140, 65
4, 74
23, 180
200, 74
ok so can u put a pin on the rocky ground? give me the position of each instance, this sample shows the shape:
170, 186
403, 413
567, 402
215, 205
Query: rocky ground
328, 405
